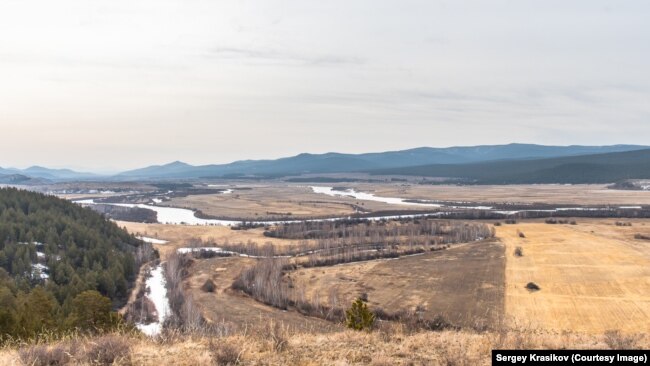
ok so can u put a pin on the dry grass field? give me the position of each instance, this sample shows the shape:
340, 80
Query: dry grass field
234, 310
267, 202
181, 235
464, 284
593, 276
265, 345
277, 200
581, 194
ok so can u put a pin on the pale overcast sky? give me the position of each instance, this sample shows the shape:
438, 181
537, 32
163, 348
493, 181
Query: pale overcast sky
120, 84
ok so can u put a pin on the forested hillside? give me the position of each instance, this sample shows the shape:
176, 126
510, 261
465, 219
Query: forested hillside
598, 168
51, 251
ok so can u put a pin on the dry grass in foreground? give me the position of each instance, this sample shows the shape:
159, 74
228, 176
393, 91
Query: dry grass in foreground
273, 345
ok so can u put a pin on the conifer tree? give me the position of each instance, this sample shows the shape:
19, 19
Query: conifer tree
358, 317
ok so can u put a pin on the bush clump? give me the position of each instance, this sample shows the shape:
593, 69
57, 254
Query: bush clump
359, 317
532, 286
42, 355
564, 222
108, 350
209, 286
519, 252
225, 355
616, 340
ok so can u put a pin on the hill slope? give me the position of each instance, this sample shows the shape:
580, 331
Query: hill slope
58, 249
40, 175
337, 162
596, 168
16, 179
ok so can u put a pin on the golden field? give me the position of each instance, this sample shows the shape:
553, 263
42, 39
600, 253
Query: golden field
182, 235
594, 276
463, 284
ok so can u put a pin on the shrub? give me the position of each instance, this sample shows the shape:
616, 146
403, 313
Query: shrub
519, 252
92, 311
497, 224
555, 221
108, 350
277, 336
511, 221
532, 286
364, 296
616, 340
414, 322
225, 355
142, 310
641, 237
521, 234
382, 314
358, 317
209, 286
41, 355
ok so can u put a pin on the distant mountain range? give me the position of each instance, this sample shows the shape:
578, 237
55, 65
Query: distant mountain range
593, 168
16, 179
44, 174
478, 164
337, 162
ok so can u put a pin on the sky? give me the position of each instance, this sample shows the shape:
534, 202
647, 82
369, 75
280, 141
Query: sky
107, 85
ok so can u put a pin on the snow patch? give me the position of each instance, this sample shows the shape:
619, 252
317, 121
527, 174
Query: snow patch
158, 295
330, 191
152, 240
39, 270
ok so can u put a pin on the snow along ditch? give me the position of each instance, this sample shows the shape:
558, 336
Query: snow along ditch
158, 295
158, 290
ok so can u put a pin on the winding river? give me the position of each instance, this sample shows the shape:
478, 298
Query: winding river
183, 216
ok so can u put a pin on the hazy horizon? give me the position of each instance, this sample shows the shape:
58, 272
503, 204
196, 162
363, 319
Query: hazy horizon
111, 86
111, 171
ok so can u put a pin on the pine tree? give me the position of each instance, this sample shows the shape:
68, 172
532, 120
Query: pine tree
91, 311
358, 317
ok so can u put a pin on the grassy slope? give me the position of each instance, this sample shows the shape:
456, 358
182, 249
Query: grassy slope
268, 346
